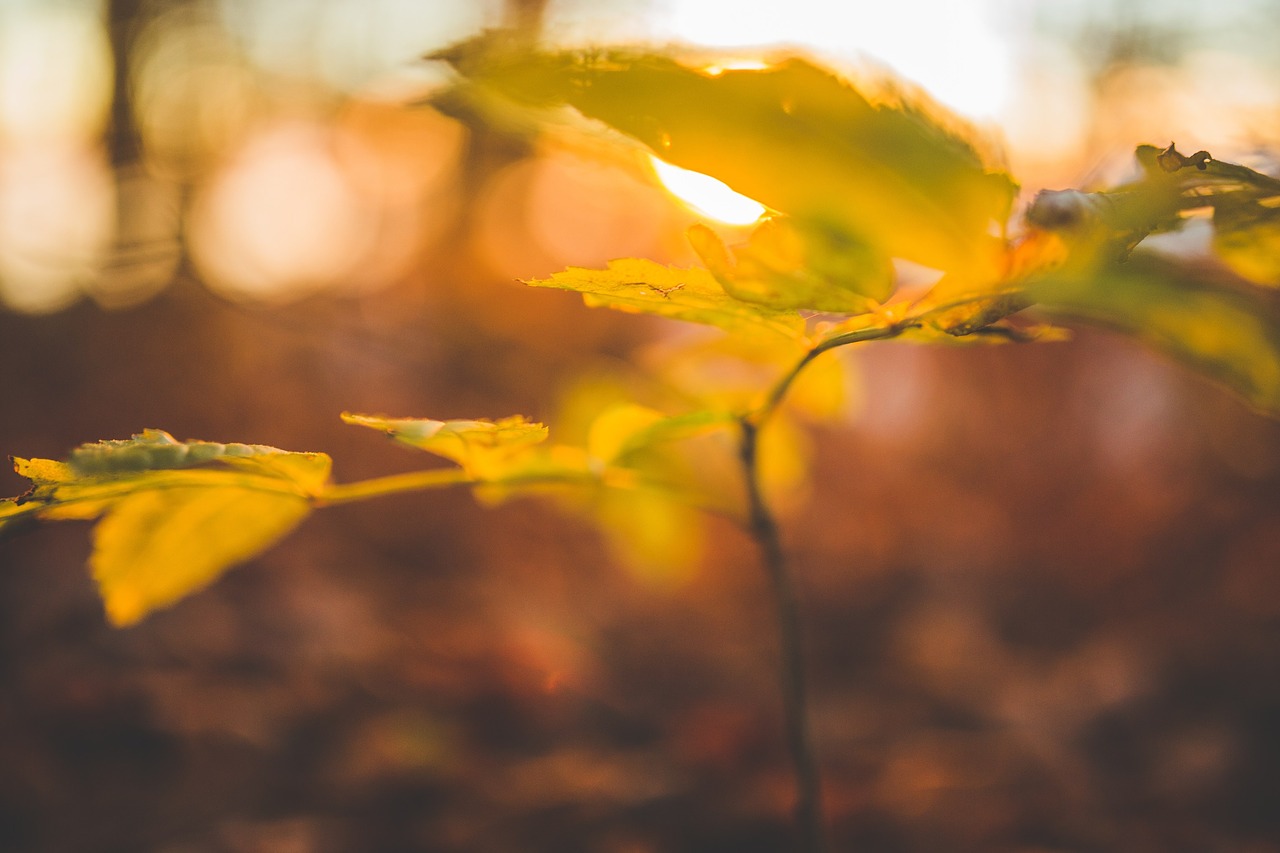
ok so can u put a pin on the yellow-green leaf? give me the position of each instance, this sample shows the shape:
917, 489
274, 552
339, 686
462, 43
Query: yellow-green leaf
889, 170
782, 266
626, 429
1230, 335
484, 449
693, 295
1247, 238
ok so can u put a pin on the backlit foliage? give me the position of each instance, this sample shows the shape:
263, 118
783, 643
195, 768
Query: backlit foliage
850, 183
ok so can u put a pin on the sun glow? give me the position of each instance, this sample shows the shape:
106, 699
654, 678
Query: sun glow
950, 47
718, 68
707, 195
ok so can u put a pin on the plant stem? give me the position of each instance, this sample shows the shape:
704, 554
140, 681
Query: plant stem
442, 478
761, 414
411, 481
764, 529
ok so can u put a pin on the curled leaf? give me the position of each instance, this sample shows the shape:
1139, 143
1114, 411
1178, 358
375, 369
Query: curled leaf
155, 449
484, 449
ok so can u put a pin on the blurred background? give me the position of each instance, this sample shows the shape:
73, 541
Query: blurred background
1039, 583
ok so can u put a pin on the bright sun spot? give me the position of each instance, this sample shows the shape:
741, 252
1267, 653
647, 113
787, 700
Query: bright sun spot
707, 195
718, 68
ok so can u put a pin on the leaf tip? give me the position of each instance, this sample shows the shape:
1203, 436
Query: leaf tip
124, 607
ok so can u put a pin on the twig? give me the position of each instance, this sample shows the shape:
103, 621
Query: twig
764, 529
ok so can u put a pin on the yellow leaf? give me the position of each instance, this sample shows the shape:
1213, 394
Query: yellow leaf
174, 515
308, 471
657, 538
693, 295
623, 430
827, 389
542, 470
786, 453
483, 448
155, 547
43, 471
154, 449
615, 428
11, 511
782, 266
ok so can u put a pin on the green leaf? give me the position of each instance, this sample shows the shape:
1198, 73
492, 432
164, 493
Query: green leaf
484, 449
1231, 336
889, 171
693, 295
173, 515
784, 267
1247, 238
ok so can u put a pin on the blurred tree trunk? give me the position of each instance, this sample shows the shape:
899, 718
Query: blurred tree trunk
124, 19
526, 15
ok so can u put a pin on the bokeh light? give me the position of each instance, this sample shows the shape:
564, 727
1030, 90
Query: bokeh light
282, 221
55, 72
57, 212
194, 96
349, 44
56, 197
148, 246
568, 208
404, 166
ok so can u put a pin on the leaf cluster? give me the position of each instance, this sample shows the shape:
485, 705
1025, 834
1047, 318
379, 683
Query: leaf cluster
854, 180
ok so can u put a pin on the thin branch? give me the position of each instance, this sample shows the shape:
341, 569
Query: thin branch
410, 481
761, 414
764, 529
